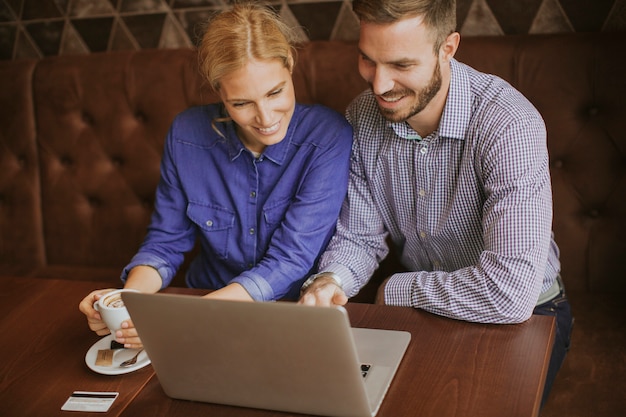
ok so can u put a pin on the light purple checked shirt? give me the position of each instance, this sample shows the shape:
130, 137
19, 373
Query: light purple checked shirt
469, 207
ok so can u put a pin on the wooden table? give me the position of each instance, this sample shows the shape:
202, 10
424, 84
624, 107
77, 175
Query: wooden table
44, 342
451, 368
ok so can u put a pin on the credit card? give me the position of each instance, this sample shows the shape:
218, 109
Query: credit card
99, 402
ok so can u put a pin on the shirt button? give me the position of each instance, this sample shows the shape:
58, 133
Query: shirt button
424, 150
252, 230
422, 235
422, 193
252, 194
209, 223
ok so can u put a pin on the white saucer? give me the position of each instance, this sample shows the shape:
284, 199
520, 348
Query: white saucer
119, 356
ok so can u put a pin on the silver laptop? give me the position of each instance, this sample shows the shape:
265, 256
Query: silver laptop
277, 356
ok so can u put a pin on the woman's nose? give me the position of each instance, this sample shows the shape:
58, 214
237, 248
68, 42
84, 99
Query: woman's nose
264, 113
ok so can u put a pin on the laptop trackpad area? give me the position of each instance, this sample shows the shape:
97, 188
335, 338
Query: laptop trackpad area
380, 353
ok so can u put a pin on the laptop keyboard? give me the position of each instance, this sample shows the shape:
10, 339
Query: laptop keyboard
365, 368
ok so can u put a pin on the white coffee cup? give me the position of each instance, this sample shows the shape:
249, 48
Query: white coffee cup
112, 310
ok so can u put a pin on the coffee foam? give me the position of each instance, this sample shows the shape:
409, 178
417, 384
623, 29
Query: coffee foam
115, 301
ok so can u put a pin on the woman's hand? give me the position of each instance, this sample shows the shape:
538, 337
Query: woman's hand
234, 292
127, 335
94, 320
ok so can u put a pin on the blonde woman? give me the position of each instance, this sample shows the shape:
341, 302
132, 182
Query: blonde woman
258, 178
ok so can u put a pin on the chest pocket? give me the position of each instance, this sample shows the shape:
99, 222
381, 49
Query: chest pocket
216, 225
275, 214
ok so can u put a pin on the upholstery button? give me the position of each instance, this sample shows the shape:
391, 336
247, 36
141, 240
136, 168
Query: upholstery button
141, 116
594, 110
117, 161
87, 118
21, 160
66, 161
94, 201
558, 163
594, 213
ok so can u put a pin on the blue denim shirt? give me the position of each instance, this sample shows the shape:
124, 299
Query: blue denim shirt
261, 222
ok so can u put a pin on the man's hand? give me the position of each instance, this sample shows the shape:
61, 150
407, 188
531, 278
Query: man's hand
380, 294
324, 292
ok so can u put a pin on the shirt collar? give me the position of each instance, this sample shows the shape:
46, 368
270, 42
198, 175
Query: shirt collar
275, 153
458, 109
456, 112
405, 131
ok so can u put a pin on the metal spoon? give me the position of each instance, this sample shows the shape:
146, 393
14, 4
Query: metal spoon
131, 361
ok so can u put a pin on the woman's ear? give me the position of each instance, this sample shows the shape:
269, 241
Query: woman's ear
290, 63
450, 46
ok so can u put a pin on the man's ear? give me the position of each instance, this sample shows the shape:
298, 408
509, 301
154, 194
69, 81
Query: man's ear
450, 46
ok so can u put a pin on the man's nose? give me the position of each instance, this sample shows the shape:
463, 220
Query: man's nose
381, 81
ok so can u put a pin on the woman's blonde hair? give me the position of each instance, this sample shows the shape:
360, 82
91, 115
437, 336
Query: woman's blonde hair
247, 31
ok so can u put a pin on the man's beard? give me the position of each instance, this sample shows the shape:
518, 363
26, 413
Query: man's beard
424, 96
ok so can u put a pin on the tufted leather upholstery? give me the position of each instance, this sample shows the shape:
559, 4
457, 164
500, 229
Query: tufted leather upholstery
81, 139
21, 243
101, 124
